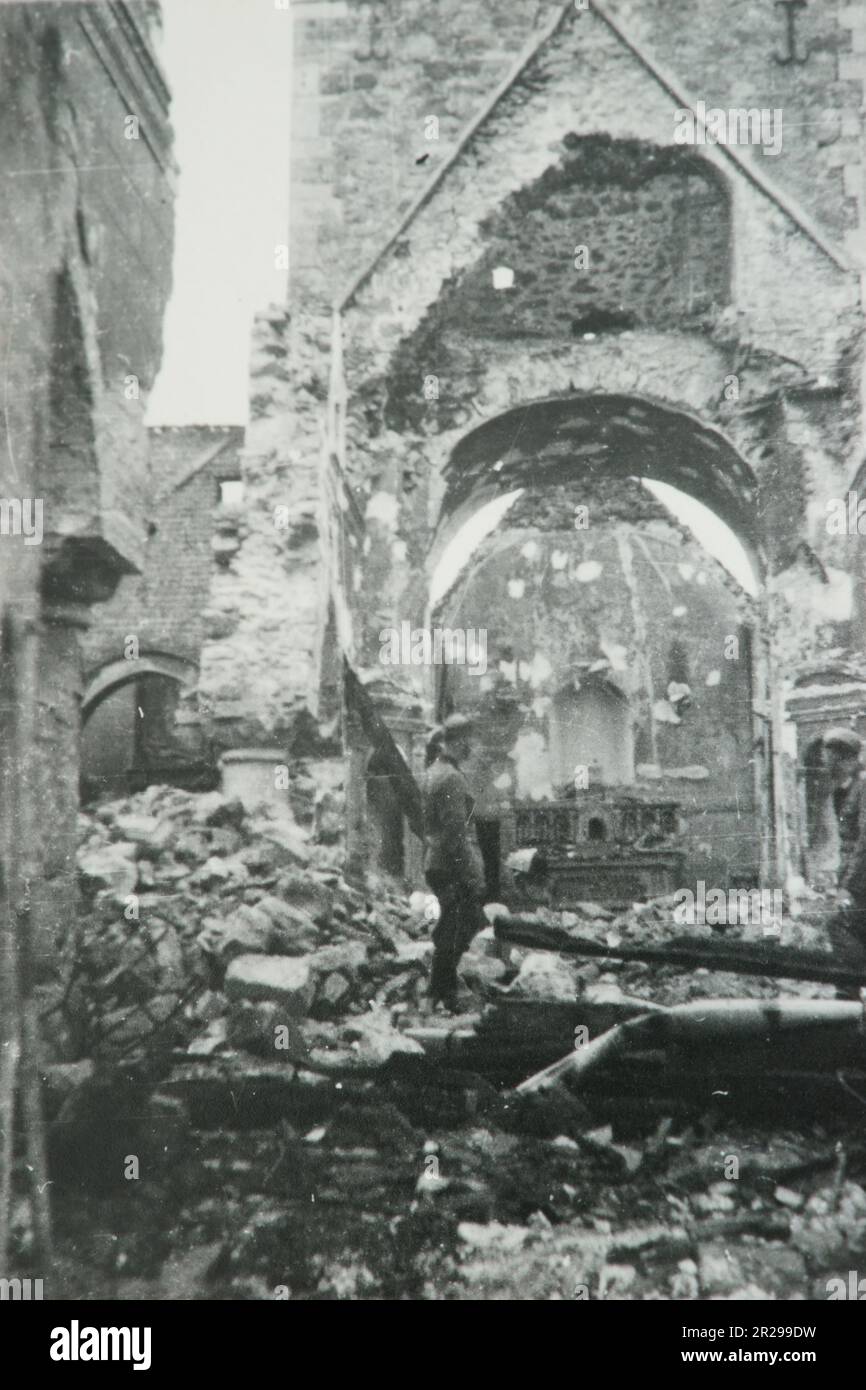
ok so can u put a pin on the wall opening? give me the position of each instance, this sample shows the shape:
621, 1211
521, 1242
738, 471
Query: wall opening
822, 832
590, 727
132, 736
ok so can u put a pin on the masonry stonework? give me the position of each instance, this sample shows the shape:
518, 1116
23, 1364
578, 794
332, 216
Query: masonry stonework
627, 612
89, 234
507, 272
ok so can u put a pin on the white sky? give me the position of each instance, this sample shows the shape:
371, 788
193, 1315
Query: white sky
227, 63
714, 535
463, 544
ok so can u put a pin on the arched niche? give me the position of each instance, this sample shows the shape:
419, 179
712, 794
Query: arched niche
591, 730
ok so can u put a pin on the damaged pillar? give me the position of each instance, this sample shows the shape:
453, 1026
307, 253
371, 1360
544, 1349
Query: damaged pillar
75, 575
259, 681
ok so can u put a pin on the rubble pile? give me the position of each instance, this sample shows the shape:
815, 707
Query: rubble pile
317, 1133
369, 1199
211, 928
679, 1231
202, 925
653, 923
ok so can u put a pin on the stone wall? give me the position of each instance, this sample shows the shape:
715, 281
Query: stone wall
727, 58
268, 619
572, 144
638, 607
85, 256
164, 606
369, 77
654, 230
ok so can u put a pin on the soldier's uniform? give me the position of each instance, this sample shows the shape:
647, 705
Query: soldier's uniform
454, 870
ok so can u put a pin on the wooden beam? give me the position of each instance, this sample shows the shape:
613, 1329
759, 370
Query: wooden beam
691, 953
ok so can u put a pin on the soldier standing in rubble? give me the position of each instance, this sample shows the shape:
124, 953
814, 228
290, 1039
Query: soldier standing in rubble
842, 751
453, 865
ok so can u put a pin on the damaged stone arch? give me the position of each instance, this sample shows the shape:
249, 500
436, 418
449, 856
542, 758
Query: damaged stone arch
115, 674
128, 723
549, 442
635, 370
615, 235
594, 437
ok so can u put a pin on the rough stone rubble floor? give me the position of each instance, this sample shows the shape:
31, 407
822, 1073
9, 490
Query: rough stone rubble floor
410, 1185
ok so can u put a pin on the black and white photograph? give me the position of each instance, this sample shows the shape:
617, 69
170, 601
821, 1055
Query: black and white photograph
433, 662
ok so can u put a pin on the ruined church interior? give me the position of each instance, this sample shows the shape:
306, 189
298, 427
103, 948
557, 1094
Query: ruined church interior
506, 629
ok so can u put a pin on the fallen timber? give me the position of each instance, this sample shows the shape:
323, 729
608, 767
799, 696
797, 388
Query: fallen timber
715, 1038
732, 1054
749, 1057
798, 1052
743, 1057
689, 953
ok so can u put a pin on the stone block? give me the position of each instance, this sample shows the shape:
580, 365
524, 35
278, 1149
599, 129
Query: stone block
293, 930
279, 845
335, 990
111, 868
246, 931
479, 968
285, 980
543, 975
146, 831
347, 956
266, 1029
373, 1040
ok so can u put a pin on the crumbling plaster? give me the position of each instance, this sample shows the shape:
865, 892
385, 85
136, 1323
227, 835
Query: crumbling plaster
640, 605
768, 343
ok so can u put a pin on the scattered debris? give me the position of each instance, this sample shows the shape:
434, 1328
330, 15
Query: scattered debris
271, 1018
